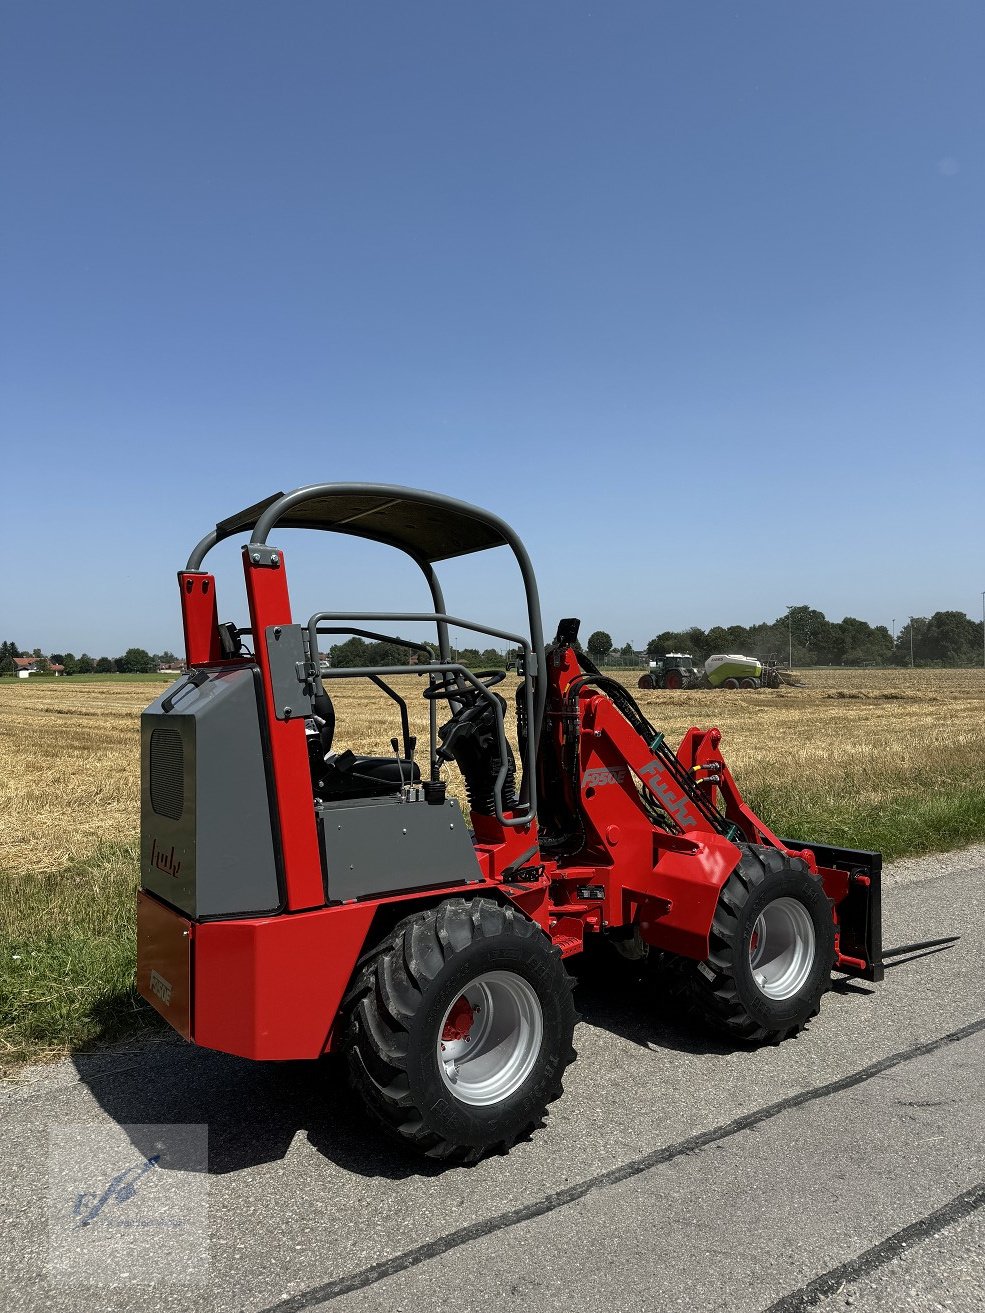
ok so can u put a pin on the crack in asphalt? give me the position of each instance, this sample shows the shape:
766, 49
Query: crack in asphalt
829, 1283
883, 1253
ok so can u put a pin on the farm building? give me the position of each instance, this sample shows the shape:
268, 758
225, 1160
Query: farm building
26, 666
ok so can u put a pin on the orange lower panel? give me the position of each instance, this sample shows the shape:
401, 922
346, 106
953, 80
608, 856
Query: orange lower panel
164, 956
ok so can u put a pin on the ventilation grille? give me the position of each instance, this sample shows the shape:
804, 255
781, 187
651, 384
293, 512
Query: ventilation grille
167, 773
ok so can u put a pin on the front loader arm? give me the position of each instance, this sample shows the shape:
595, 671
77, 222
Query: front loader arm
684, 806
852, 878
685, 802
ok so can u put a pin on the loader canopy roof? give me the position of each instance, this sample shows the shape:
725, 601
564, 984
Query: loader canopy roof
427, 525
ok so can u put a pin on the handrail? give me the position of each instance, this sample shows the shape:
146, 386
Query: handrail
526, 816
269, 517
528, 785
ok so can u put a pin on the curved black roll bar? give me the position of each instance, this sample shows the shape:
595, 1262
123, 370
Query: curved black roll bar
488, 530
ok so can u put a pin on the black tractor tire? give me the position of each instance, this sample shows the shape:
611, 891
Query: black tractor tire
748, 682
725, 990
729, 683
646, 681
673, 679
408, 999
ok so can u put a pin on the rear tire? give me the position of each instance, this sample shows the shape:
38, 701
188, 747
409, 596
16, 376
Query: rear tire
772, 951
749, 682
673, 679
459, 1028
729, 683
646, 681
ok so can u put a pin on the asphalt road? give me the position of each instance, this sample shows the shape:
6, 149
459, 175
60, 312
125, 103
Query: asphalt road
843, 1169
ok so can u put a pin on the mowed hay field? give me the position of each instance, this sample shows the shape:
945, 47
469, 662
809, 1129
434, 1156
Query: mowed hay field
884, 759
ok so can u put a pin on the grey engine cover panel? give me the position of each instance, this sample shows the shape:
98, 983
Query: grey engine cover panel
206, 839
382, 845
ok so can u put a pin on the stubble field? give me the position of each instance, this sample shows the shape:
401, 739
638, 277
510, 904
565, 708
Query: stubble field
884, 759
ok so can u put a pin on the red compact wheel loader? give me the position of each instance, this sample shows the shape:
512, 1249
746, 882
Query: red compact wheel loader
299, 898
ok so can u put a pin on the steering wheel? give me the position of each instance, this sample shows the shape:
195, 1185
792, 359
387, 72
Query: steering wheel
489, 678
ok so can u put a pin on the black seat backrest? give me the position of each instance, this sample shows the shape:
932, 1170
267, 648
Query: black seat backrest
325, 710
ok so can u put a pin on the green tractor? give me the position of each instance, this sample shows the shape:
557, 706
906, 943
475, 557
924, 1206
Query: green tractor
675, 670
726, 670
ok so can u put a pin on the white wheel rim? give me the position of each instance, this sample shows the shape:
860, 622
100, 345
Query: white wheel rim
490, 1038
782, 948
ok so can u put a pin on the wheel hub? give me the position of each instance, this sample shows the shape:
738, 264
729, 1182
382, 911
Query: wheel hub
490, 1038
459, 1021
782, 948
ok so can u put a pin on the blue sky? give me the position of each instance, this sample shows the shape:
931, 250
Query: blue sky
693, 295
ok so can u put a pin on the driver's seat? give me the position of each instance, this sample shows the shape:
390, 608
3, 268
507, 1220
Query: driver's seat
347, 775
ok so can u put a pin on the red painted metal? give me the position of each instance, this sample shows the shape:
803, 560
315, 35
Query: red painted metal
199, 618
271, 987
460, 1020
699, 753
266, 591
842, 960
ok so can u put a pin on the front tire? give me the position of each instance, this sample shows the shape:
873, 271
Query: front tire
459, 1029
772, 951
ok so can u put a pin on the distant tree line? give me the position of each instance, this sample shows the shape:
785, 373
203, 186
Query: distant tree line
359, 652
947, 638
134, 661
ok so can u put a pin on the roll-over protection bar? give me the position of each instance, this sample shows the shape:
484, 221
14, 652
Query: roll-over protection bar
427, 526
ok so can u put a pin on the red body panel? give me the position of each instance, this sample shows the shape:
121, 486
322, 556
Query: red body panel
266, 590
199, 618
270, 988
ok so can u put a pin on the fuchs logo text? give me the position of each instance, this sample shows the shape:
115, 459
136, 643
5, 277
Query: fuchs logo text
160, 987
670, 799
600, 775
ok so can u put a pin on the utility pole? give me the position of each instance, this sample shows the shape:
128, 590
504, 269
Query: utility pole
894, 631
911, 642
983, 628
790, 634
